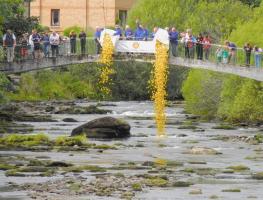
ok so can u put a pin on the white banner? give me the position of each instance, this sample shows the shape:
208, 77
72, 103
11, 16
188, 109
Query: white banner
124, 46
133, 46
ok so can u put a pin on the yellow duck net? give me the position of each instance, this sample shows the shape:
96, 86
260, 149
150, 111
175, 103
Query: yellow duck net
158, 85
106, 59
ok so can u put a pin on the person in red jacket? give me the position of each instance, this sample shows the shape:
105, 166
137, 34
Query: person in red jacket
207, 46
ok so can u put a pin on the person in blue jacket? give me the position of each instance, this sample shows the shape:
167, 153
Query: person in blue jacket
139, 33
118, 31
97, 39
145, 34
128, 33
155, 29
174, 37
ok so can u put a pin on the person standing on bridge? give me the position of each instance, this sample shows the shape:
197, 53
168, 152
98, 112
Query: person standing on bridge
9, 42
24, 46
232, 51
73, 42
118, 31
189, 41
258, 56
248, 49
174, 36
83, 39
54, 42
155, 29
207, 46
139, 33
199, 46
46, 44
128, 34
97, 39
36, 40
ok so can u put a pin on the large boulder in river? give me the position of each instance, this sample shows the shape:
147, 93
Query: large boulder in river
104, 128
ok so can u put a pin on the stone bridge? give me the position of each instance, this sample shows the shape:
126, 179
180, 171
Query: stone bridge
33, 65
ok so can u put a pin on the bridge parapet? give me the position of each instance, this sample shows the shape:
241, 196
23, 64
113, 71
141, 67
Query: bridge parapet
237, 67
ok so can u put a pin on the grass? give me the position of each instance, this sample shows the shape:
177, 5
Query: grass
80, 140
156, 182
104, 147
137, 187
17, 140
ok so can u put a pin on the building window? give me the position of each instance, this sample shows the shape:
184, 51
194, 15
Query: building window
55, 17
123, 17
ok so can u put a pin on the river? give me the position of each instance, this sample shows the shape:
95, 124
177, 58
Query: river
211, 174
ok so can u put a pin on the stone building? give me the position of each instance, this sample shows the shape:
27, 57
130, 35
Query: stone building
60, 14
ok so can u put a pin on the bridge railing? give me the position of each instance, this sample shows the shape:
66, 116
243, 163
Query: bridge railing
239, 59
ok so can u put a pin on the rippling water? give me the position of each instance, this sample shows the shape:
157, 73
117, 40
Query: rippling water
139, 115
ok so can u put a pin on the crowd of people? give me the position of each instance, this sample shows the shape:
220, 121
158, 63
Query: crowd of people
38, 45
41, 44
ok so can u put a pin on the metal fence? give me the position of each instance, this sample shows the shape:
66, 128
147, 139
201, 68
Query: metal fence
239, 59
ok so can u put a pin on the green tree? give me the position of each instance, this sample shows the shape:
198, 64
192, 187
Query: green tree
250, 31
252, 3
218, 17
12, 17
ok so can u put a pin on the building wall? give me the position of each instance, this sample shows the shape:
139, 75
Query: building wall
101, 13
124, 4
70, 12
83, 13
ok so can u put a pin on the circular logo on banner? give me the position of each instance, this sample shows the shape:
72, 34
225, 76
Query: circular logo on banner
135, 45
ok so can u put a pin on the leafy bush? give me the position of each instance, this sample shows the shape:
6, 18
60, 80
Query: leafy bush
230, 98
76, 29
248, 104
201, 91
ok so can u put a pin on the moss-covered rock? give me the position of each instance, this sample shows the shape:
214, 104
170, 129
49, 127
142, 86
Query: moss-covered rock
258, 175
182, 184
239, 168
106, 127
231, 190
156, 182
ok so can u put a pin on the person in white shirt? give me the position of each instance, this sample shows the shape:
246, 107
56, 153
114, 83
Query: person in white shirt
31, 43
54, 42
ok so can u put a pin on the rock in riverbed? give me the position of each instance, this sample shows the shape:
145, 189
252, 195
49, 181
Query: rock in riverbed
106, 127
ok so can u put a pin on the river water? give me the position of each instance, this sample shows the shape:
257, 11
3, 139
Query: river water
144, 145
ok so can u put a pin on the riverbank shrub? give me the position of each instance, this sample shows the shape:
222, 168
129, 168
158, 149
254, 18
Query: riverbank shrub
227, 97
130, 82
